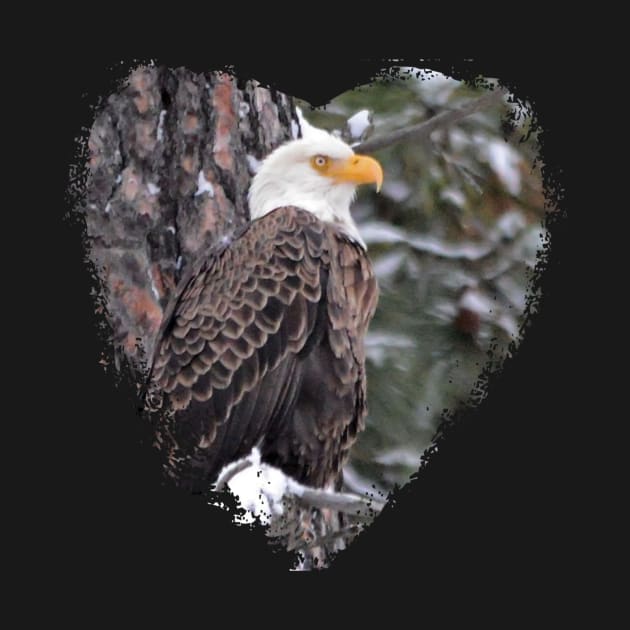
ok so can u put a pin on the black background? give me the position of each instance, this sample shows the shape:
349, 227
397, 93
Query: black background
494, 501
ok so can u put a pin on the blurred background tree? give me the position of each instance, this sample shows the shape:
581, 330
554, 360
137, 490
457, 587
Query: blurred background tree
454, 237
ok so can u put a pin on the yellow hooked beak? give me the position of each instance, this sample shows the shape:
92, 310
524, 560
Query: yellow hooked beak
357, 169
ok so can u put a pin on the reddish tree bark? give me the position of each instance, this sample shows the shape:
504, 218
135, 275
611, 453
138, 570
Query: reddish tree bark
171, 157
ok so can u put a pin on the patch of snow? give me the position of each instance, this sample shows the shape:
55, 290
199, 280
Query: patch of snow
511, 223
152, 188
118, 178
435, 86
389, 263
253, 164
398, 457
512, 290
504, 161
475, 301
437, 247
243, 109
444, 310
153, 287
294, 487
108, 207
391, 340
454, 195
380, 232
458, 278
531, 243
160, 129
259, 489
358, 123
435, 171
203, 185
380, 345
361, 485
509, 325
295, 130
459, 139
170, 228
178, 263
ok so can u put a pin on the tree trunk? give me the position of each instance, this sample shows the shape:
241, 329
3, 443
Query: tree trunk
171, 158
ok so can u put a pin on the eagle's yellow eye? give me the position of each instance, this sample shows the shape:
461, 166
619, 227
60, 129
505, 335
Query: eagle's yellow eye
319, 162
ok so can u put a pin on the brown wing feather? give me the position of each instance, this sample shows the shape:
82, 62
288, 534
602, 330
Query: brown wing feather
229, 357
330, 407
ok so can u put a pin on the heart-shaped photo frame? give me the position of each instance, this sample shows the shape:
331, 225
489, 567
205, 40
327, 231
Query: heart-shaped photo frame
238, 275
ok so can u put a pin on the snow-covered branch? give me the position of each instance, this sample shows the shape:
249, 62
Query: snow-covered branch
340, 501
423, 129
263, 490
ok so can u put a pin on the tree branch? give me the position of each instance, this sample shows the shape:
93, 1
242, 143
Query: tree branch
340, 501
423, 129
312, 497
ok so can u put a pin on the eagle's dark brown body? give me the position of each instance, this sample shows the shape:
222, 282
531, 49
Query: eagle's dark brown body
264, 345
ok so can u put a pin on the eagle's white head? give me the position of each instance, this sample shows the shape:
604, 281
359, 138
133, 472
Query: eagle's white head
318, 173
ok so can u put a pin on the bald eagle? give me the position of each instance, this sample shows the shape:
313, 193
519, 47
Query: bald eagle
263, 344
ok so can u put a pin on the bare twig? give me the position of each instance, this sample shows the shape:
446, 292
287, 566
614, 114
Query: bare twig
423, 129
